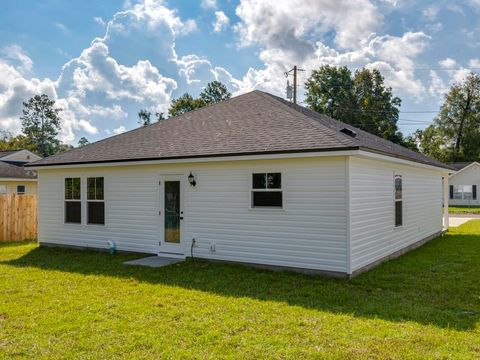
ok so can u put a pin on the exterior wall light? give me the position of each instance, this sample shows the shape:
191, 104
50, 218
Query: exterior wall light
191, 179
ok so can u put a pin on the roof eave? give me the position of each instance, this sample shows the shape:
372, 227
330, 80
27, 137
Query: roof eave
195, 157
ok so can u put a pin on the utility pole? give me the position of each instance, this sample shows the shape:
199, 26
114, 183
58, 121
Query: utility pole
294, 70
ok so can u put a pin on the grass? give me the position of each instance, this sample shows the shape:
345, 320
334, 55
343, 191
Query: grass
59, 303
464, 210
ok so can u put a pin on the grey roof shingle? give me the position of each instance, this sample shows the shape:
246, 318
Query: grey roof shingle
460, 165
252, 123
12, 171
4, 153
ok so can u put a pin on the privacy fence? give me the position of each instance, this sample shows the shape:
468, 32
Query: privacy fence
18, 217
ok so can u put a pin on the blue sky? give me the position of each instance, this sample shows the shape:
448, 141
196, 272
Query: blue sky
104, 60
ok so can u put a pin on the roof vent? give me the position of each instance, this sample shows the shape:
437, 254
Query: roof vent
349, 132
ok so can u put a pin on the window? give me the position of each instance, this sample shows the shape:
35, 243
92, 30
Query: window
3, 189
398, 200
267, 190
20, 189
95, 201
73, 203
463, 192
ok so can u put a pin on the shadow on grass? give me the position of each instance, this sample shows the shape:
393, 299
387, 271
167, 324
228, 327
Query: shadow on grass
437, 284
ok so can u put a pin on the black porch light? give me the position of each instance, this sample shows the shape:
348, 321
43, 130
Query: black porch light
191, 179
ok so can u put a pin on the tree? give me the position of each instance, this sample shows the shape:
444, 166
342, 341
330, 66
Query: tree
329, 90
160, 116
185, 103
144, 117
455, 132
359, 99
41, 123
378, 109
215, 92
83, 141
10, 142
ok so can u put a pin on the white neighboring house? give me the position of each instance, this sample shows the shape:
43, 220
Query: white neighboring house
254, 179
14, 178
464, 184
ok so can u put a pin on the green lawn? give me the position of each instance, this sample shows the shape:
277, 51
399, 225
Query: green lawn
57, 303
464, 209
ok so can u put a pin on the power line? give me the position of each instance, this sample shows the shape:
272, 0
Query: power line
472, 69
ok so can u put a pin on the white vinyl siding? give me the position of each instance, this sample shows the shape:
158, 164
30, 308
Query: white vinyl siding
372, 221
467, 177
11, 186
308, 232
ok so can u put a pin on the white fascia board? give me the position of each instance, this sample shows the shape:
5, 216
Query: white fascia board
381, 157
18, 179
203, 160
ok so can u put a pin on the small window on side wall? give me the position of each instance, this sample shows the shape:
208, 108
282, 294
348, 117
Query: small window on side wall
267, 190
95, 201
73, 201
20, 189
398, 200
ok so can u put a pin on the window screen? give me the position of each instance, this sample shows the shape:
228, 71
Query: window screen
73, 204
95, 201
398, 200
267, 190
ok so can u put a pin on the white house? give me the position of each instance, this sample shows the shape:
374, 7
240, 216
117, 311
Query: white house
464, 184
254, 179
14, 178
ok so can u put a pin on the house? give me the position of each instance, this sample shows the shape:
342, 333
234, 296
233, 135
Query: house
14, 178
464, 184
254, 179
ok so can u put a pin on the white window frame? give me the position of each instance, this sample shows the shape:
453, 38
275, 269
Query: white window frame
87, 200
65, 200
4, 187
395, 200
281, 190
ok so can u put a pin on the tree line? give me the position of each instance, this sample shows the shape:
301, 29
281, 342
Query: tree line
359, 98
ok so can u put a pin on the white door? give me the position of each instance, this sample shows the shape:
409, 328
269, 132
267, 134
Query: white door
171, 215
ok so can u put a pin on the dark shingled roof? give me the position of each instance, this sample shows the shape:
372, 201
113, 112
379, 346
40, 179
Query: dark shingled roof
459, 165
11, 171
252, 123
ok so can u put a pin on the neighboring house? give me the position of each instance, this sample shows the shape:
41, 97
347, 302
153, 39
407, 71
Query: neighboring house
464, 184
254, 179
14, 178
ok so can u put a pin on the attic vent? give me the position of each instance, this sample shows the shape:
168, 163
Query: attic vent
349, 132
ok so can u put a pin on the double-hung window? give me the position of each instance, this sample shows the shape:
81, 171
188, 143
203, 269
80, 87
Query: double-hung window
20, 189
95, 201
267, 190
398, 200
463, 192
73, 202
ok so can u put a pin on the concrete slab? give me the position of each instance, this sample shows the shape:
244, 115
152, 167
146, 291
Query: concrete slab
457, 221
153, 261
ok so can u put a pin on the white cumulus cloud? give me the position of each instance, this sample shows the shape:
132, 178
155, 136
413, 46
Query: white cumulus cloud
221, 21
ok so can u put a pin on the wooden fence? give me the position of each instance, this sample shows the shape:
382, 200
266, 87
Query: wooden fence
18, 217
